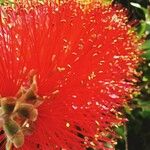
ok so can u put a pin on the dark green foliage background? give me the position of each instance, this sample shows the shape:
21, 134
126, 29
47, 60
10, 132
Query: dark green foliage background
138, 127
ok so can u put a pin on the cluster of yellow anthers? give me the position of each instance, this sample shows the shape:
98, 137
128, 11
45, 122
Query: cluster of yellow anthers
84, 2
18, 114
87, 2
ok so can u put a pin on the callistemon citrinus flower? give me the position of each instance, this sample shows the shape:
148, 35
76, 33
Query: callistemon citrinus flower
64, 75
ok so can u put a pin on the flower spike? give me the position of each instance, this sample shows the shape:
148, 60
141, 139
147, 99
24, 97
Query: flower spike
65, 74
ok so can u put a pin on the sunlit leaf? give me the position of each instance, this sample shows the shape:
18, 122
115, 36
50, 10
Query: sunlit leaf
146, 45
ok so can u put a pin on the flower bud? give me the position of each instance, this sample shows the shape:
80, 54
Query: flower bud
10, 127
7, 105
31, 97
27, 111
18, 139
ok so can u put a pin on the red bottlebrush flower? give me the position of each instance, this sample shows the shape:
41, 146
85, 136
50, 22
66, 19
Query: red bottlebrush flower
64, 74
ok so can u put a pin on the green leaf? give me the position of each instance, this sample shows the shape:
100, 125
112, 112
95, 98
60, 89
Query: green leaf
144, 104
145, 113
144, 79
147, 27
147, 55
141, 28
140, 7
120, 131
146, 45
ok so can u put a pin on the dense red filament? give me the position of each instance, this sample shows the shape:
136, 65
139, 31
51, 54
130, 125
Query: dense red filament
85, 63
